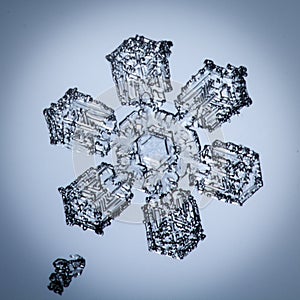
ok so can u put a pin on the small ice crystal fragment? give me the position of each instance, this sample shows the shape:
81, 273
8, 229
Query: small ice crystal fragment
95, 198
234, 172
64, 272
140, 70
78, 118
213, 95
172, 224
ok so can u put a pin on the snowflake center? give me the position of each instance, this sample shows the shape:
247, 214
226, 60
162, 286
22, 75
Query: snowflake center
153, 150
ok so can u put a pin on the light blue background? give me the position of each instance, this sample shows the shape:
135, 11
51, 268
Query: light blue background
48, 46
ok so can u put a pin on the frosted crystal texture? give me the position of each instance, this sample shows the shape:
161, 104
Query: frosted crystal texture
172, 224
95, 198
140, 70
213, 95
64, 272
156, 149
234, 174
78, 118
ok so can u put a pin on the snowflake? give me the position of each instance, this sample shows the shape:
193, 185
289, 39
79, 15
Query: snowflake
157, 152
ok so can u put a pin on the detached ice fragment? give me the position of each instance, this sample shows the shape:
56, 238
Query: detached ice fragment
213, 95
95, 198
172, 224
65, 271
234, 172
140, 70
78, 119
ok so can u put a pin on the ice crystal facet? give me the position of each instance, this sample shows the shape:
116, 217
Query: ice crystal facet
140, 70
95, 198
234, 172
78, 118
155, 148
172, 224
64, 272
213, 95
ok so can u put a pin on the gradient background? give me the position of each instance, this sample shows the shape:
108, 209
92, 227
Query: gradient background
49, 46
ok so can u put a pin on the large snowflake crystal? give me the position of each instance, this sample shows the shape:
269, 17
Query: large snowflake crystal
153, 150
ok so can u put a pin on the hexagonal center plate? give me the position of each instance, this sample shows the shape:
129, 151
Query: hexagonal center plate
154, 150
